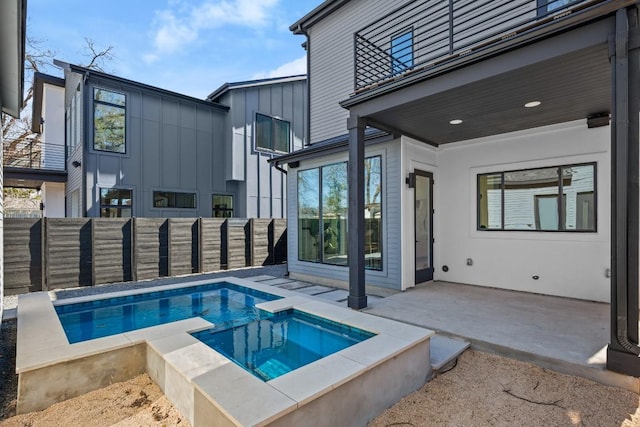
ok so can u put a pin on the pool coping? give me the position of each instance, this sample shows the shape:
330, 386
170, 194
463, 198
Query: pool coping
184, 366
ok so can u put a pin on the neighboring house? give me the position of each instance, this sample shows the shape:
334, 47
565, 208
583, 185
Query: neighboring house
473, 143
267, 117
138, 150
48, 121
13, 21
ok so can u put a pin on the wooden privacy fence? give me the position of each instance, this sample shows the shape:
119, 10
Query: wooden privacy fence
48, 253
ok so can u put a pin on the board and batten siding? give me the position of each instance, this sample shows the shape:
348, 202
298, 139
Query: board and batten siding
331, 63
261, 189
390, 276
172, 144
568, 264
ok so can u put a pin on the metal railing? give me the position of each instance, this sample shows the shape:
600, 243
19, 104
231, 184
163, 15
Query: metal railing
424, 33
34, 155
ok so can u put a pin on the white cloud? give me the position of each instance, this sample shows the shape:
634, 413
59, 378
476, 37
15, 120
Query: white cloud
181, 25
295, 67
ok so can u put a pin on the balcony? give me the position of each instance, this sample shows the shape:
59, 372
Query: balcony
30, 163
423, 35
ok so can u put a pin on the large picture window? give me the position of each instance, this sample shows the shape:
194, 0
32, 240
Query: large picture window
559, 198
109, 112
116, 203
272, 134
323, 202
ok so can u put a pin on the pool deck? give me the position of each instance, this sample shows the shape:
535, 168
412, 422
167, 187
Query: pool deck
563, 334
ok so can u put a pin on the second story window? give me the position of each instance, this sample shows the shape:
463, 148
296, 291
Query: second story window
109, 112
401, 51
272, 134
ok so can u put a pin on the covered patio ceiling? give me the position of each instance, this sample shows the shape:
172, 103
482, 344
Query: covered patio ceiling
570, 74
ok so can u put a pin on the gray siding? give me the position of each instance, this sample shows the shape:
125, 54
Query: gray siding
75, 153
261, 189
331, 56
390, 276
172, 144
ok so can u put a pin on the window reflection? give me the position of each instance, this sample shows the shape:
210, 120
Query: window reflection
547, 199
335, 200
308, 215
322, 227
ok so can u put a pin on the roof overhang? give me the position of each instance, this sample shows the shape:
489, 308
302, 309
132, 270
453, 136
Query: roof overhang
89, 72
323, 10
568, 72
13, 15
331, 146
216, 94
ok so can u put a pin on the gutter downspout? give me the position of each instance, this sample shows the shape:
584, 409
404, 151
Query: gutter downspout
622, 354
302, 30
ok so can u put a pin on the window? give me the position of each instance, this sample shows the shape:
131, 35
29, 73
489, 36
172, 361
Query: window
115, 203
222, 206
402, 52
109, 110
171, 199
528, 199
548, 6
323, 214
272, 134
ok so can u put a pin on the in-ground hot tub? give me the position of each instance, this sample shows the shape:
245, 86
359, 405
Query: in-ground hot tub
348, 386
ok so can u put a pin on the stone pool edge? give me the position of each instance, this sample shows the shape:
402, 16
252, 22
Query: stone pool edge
204, 384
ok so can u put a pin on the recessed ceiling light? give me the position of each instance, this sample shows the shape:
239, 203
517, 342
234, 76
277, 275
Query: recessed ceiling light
532, 104
455, 122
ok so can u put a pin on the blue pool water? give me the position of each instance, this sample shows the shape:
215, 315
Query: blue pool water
224, 304
276, 344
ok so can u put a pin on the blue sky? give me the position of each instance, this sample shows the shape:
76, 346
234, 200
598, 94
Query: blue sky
187, 46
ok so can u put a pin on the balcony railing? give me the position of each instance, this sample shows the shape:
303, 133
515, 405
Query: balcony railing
424, 33
34, 155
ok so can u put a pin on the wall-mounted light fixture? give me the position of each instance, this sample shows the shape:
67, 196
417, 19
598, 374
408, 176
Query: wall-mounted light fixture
598, 120
76, 163
294, 165
411, 180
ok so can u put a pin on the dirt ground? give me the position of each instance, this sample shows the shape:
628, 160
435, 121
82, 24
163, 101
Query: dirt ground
488, 390
481, 390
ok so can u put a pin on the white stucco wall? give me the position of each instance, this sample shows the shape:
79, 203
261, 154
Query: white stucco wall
568, 264
53, 127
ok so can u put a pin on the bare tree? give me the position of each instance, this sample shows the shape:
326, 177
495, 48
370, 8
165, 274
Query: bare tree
20, 142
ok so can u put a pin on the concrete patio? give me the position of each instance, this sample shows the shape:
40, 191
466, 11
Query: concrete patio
562, 334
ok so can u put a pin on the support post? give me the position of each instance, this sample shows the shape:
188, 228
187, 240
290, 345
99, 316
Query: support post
623, 350
357, 292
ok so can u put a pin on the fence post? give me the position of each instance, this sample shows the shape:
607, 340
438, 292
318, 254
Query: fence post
200, 250
134, 261
93, 251
43, 257
169, 249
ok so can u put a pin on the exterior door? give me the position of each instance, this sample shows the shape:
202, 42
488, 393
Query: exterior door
423, 206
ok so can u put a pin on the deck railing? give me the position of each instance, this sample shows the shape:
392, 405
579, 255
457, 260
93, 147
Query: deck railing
34, 155
424, 33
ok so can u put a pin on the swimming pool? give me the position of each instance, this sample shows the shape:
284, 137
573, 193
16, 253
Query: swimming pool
279, 343
223, 304
206, 386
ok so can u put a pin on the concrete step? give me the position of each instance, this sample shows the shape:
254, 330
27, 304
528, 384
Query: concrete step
445, 350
